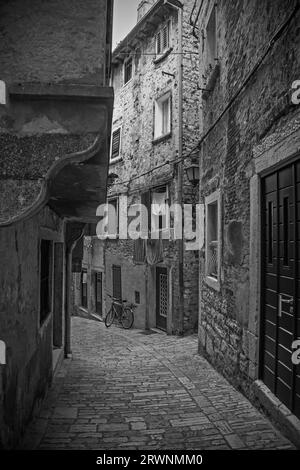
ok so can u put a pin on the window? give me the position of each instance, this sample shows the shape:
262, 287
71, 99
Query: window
98, 292
162, 39
113, 217
211, 40
157, 204
128, 69
117, 282
115, 144
162, 116
137, 297
212, 252
84, 288
45, 280
159, 210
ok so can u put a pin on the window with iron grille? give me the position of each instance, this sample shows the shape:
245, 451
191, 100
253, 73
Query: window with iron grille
128, 70
162, 39
212, 255
115, 144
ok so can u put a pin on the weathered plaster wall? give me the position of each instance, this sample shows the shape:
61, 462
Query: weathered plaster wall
227, 333
133, 279
36, 134
53, 41
27, 373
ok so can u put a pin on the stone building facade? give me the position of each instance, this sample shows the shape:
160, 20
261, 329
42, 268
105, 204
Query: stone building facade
55, 124
154, 67
249, 169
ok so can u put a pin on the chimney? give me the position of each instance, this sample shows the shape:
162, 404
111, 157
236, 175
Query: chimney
143, 7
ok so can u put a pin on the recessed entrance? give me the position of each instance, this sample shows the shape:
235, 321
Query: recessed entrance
281, 283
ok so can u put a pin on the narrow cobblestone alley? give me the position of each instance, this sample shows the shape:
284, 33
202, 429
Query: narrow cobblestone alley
127, 390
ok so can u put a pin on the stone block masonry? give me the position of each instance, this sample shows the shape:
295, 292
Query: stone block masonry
229, 329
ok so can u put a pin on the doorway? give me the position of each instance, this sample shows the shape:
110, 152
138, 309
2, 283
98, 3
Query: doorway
162, 298
281, 284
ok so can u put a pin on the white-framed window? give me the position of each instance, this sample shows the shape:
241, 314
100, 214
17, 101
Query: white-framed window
213, 239
113, 217
162, 116
116, 144
211, 39
160, 214
128, 70
162, 39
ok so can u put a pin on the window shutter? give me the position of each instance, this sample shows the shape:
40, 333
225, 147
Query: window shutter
146, 201
165, 37
127, 70
158, 43
166, 116
116, 143
117, 282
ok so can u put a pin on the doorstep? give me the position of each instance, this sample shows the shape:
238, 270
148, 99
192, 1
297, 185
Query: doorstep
288, 423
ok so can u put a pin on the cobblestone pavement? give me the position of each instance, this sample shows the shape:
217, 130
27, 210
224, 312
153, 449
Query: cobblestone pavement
127, 390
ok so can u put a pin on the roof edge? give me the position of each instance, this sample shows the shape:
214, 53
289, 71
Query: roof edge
154, 9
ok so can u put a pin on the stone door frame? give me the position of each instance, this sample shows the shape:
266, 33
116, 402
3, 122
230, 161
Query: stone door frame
274, 151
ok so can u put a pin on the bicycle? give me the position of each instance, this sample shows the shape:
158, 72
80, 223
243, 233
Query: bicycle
124, 313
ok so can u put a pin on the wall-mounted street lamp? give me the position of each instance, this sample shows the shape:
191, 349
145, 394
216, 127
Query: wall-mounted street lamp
193, 174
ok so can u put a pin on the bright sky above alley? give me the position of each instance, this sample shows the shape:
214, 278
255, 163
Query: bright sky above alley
125, 15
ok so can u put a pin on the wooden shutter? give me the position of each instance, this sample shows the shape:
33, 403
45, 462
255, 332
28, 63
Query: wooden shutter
98, 292
165, 37
158, 43
127, 70
116, 143
117, 282
146, 201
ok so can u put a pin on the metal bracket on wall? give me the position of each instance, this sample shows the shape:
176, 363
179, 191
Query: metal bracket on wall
167, 73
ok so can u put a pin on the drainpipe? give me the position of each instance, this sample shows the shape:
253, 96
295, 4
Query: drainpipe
73, 233
180, 172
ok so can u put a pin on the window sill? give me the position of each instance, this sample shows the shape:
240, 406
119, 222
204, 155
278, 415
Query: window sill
115, 160
162, 56
213, 282
127, 83
162, 138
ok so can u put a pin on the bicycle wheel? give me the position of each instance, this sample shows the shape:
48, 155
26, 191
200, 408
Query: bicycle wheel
109, 319
127, 318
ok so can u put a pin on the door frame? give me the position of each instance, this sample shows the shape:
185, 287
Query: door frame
156, 296
291, 163
269, 156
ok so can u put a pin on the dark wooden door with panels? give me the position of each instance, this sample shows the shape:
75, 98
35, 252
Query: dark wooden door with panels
280, 324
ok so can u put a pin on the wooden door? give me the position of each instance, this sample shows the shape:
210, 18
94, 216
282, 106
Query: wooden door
280, 283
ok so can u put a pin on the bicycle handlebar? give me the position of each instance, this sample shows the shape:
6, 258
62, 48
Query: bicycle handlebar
120, 301
117, 300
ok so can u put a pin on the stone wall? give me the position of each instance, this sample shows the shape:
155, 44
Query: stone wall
28, 370
53, 41
263, 107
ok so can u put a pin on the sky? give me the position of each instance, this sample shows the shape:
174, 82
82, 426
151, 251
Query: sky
125, 15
